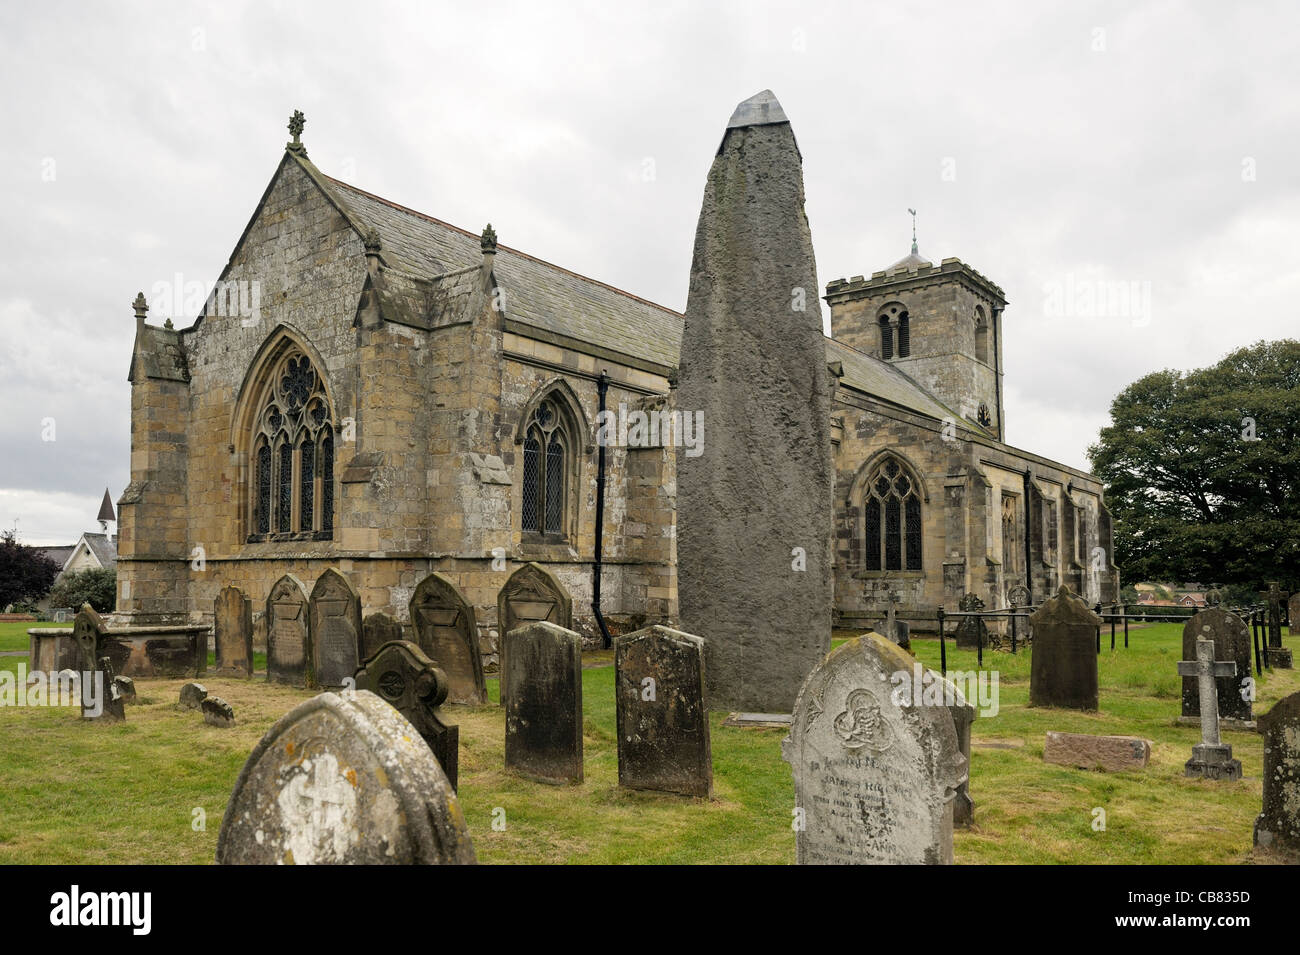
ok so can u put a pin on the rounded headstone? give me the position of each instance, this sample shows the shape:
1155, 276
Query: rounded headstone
343, 778
217, 712
193, 695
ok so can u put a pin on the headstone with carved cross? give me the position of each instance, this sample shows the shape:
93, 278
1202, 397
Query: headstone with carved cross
1279, 657
1211, 758
972, 631
896, 630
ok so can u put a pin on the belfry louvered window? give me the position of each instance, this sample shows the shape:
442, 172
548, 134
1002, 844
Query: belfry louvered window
891, 507
292, 480
886, 338
546, 447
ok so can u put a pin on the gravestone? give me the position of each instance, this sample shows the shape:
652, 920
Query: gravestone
532, 594
288, 634
126, 687
1232, 641
192, 696
963, 715
88, 632
972, 632
662, 712
335, 628
101, 698
232, 627
1279, 657
376, 630
1278, 825
1211, 758
1110, 753
896, 630
404, 678
217, 712
1063, 668
753, 538
875, 775
447, 633
1293, 614
544, 708
343, 778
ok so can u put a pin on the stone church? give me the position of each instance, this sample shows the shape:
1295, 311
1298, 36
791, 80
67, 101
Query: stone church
371, 389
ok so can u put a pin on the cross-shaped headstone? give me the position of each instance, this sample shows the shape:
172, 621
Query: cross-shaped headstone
1279, 657
1211, 758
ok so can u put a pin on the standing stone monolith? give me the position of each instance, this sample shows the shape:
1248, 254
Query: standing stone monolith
544, 706
343, 779
1211, 757
662, 712
1232, 642
1063, 667
1278, 825
875, 768
753, 531
232, 629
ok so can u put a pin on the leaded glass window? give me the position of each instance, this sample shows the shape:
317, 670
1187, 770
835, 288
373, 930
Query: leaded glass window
891, 508
292, 480
547, 447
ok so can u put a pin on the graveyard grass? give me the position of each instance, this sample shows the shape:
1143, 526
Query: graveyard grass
128, 793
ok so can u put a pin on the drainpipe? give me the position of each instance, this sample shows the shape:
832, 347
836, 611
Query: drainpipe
602, 386
997, 375
1029, 537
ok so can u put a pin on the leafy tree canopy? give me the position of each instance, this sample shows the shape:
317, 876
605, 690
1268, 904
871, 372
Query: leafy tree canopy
25, 572
96, 586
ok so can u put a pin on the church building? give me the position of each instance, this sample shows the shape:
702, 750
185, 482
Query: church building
374, 390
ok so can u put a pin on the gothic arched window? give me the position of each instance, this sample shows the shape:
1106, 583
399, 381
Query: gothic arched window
548, 449
895, 330
891, 508
292, 481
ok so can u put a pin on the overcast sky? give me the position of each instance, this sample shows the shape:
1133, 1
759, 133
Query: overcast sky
1054, 148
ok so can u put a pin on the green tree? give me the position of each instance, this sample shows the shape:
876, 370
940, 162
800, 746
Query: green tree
96, 586
1202, 470
25, 572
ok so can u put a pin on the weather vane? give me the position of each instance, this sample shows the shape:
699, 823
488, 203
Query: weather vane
913, 211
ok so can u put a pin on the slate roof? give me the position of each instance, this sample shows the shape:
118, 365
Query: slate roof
59, 555
537, 293
888, 382
104, 548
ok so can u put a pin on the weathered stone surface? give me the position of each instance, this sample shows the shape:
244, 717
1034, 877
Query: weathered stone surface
192, 696
52, 649
875, 773
1114, 754
343, 778
404, 678
88, 631
335, 609
1232, 641
126, 687
288, 634
544, 708
972, 632
963, 715
100, 697
376, 630
1063, 670
754, 559
232, 628
164, 651
1211, 758
217, 712
1293, 614
448, 634
662, 712
1278, 824
531, 594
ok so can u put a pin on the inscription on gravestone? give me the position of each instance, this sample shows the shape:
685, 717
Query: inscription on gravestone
448, 634
544, 708
335, 628
232, 625
1063, 667
662, 716
343, 779
532, 594
288, 639
874, 780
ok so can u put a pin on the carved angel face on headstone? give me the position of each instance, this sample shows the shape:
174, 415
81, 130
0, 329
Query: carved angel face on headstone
861, 725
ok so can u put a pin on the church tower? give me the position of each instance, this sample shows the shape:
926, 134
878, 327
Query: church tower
941, 324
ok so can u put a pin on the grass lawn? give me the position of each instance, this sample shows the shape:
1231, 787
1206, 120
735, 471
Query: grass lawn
73, 792
13, 634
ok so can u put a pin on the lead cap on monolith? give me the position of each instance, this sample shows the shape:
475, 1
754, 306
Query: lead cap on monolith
761, 109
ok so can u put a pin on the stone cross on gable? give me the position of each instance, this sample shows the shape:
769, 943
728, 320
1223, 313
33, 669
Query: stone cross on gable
1211, 758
